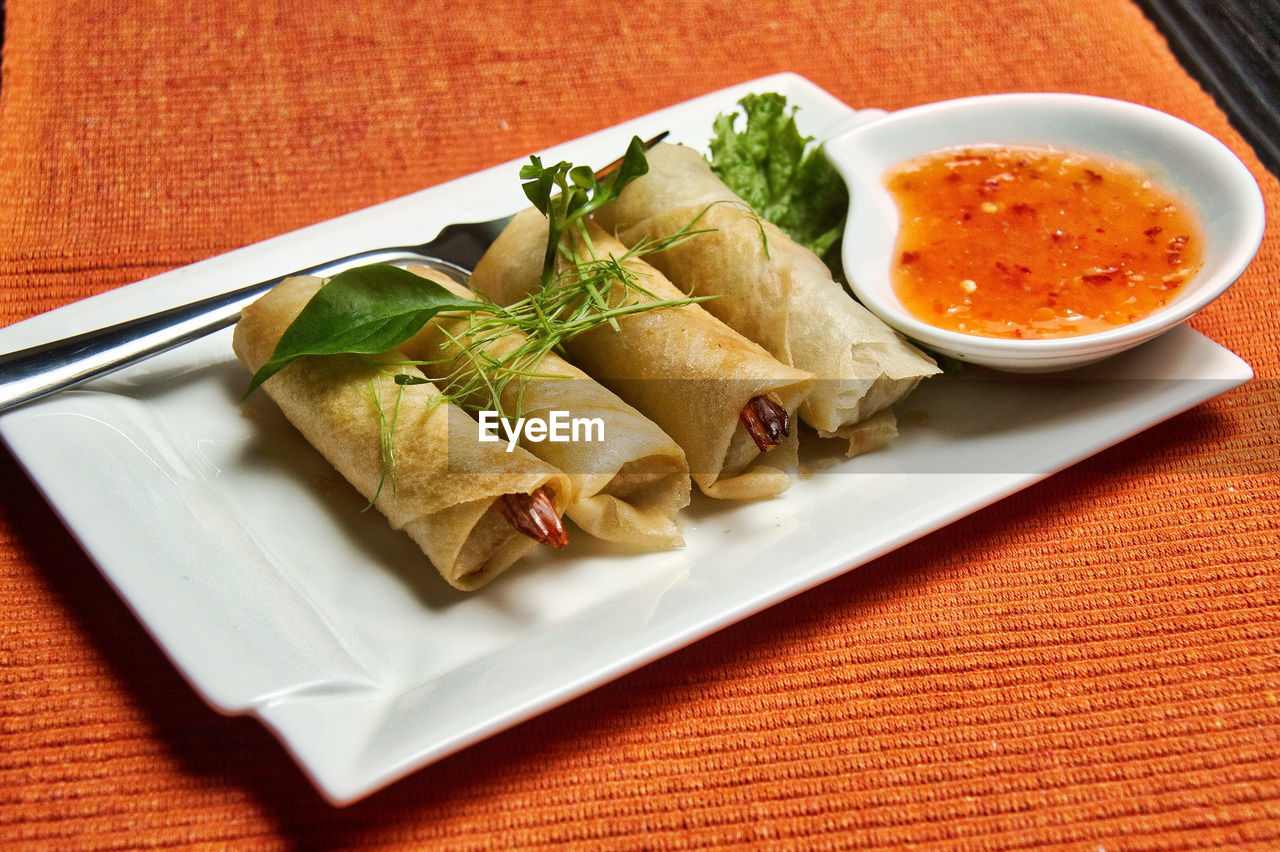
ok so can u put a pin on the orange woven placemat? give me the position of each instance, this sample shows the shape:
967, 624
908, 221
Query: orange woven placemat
1094, 663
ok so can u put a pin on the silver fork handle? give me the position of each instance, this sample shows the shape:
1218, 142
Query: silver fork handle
38, 371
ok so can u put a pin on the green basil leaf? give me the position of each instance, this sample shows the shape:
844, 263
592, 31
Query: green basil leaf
361, 311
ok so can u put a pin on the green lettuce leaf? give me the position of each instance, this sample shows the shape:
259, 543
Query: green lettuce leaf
566, 193
785, 179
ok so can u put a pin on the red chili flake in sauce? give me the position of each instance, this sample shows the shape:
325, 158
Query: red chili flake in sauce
1027, 242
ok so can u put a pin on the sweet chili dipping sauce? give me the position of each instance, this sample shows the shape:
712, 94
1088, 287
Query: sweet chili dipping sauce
1030, 242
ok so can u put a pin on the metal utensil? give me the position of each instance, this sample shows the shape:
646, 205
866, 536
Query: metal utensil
44, 369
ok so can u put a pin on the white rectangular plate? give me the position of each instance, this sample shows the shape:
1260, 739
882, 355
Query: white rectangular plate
274, 595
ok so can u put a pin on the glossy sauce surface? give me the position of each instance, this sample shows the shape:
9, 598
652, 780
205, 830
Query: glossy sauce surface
1032, 243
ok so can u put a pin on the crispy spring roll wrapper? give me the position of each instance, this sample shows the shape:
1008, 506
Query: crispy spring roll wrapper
777, 293
446, 482
681, 367
627, 485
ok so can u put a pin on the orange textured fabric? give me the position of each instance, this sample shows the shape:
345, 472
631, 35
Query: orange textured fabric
1092, 664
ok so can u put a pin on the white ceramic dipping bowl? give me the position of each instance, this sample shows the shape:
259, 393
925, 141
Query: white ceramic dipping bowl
1177, 156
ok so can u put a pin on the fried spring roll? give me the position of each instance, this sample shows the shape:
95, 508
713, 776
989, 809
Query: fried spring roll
681, 367
777, 293
628, 478
473, 508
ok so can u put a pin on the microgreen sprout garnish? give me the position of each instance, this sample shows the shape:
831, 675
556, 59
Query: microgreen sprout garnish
386, 435
566, 193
